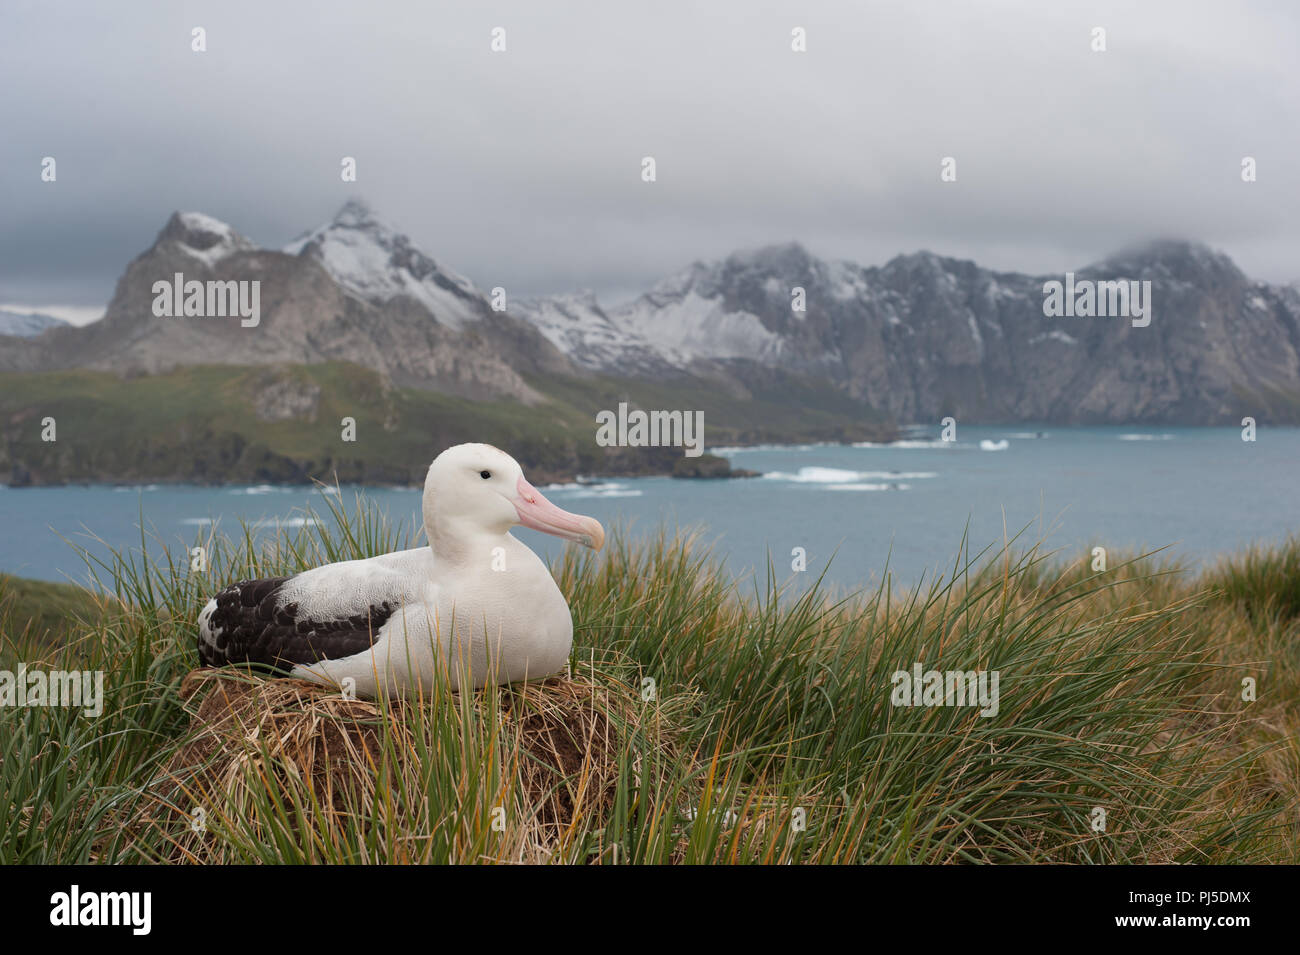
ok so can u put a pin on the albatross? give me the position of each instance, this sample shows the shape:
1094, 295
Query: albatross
475, 603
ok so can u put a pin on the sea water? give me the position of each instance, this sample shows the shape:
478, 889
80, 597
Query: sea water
901, 507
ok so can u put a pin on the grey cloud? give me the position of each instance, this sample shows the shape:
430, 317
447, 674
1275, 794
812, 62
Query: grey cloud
522, 169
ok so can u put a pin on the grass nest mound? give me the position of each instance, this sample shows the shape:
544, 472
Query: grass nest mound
499, 774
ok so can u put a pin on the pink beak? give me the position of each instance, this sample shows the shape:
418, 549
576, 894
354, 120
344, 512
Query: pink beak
537, 512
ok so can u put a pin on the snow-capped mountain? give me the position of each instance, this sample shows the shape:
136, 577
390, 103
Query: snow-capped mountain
925, 336
370, 258
577, 326
686, 318
354, 290
917, 338
27, 325
741, 308
203, 238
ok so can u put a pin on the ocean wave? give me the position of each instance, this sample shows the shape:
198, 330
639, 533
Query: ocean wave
1146, 437
577, 484
987, 445
605, 492
264, 522
724, 452
813, 475
589, 490
843, 478
293, 522
868, 487
908, 444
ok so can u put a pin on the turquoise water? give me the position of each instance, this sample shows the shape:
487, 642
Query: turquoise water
1199, 491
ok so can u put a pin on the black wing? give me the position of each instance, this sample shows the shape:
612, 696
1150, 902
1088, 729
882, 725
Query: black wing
250, 625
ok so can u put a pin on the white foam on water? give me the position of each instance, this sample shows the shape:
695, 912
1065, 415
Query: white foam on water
814, 475
911, 444
605, 492
842, 478
265, 522
295, 522
724, 452
1146, 437
987, 445
260, 489
602, 489
868, 487
899, 475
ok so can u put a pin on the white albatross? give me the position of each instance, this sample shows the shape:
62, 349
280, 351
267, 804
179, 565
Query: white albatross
476, 603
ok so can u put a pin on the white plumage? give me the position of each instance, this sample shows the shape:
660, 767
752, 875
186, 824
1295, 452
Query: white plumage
475, 602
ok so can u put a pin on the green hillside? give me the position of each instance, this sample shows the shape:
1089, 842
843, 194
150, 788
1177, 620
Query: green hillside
216, 424
37, 614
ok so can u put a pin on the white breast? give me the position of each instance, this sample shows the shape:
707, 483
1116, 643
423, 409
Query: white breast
502, 622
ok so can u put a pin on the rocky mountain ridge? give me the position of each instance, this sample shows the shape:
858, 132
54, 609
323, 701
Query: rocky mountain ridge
917, 338
307, 316
924, 335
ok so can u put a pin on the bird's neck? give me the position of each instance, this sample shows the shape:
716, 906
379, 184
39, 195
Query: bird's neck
459, 544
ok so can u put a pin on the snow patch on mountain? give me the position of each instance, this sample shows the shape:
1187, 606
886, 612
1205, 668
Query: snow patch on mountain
27, 325
1055, 336
377, 263
846, 282
975, 333
204, 238
577, 325
684, 328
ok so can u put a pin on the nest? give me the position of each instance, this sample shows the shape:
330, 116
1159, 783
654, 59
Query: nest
281, 760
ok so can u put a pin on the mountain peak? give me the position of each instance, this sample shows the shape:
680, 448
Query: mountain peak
779, 258
922, 258
356, 213
377, 263
203, 237
584, 297
1176, 256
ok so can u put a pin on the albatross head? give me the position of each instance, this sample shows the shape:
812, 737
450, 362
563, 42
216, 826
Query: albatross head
476, 488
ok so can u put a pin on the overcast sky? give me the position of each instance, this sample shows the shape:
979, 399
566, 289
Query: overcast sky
522, 168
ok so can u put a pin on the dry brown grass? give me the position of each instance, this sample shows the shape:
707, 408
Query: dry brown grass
332, 765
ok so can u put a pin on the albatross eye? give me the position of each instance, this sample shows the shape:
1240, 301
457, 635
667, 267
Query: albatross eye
485, 474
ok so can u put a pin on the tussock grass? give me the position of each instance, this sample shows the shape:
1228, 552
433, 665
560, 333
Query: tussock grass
1264, 580
699, 722
305, 775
